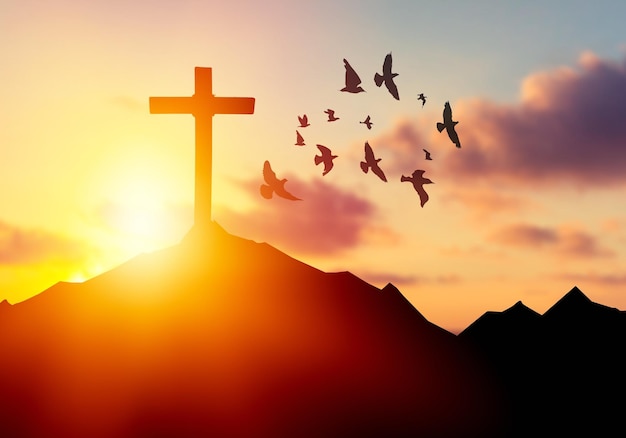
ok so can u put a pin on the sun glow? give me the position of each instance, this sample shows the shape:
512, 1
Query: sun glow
140, 201
138, 210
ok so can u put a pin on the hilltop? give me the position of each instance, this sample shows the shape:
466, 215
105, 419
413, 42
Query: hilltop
222, 336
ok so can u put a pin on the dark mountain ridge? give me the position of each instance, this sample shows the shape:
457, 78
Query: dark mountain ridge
225, 337
564, 369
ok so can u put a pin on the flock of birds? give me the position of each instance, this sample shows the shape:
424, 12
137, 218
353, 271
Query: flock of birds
273, 185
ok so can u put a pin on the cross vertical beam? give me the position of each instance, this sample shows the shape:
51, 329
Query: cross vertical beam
203, 105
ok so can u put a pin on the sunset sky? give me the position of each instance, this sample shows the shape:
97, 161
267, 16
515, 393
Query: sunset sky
533, 203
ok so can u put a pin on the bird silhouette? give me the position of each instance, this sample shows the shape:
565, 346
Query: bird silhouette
418, 181
427, 154
367, 122
422, 98
372, 163
331, 115
327, 158
387, 78
353, 82
304, 121
449, 125
299, 139
274, 185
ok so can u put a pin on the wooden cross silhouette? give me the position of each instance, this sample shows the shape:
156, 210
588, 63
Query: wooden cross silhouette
203, 105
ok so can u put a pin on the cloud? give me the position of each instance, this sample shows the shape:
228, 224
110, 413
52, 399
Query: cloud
473, 252
484, 203
568, 127
525, 235
22, 247
595, 278
382, 278
326, 221
565, 240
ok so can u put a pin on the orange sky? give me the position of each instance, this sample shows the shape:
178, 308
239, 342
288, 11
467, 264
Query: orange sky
531, 205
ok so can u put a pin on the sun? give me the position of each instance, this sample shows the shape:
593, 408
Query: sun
138, 210
141, 218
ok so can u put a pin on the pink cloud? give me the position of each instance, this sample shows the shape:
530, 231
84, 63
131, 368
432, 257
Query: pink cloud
568, 127
326, 220
525, 235
21, 247
485, 203
381, 279
595, 278
566, 241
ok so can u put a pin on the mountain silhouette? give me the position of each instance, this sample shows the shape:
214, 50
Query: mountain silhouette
562, 370
226, 337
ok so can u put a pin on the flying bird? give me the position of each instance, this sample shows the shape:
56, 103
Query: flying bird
331, 115
353, 82
327, 158
427, 154
422, 98
371, 162
418, 181
449, 125
304, 121
274, 185
299, 139
387, 78
367, 122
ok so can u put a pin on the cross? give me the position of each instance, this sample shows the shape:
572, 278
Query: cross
203, 105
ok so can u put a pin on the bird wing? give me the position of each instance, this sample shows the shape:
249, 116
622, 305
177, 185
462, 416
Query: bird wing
379, 172
418, 175
299, 138
266, 191
387, 66
324, 150
447, 113
352, 78
283, 193
454, 137
268, 174
391, 86
369, 154
422, 194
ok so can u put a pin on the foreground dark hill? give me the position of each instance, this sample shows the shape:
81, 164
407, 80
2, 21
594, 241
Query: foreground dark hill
564, 371
224, 337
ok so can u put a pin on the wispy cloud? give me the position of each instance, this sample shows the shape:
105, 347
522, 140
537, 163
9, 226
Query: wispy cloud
20, 246
382, 278
594, 278
326, 220
484, 203
565, 240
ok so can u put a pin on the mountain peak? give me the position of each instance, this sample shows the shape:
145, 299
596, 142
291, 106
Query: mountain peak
521, 309
573, 302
